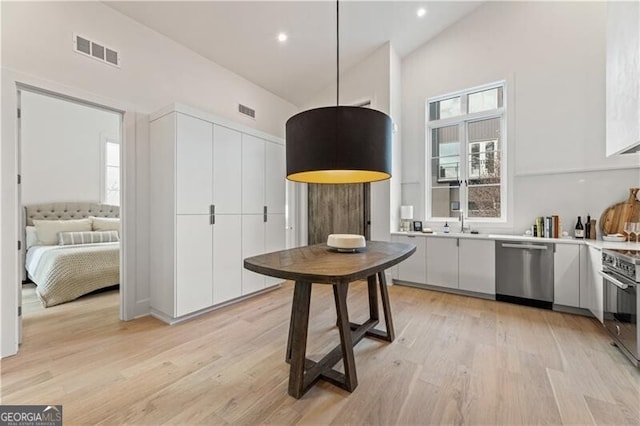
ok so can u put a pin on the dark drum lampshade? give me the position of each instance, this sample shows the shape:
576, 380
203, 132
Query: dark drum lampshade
339, 144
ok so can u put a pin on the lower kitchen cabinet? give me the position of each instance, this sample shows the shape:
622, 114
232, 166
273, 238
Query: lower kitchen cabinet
566, 275
442, 262
594, 283
477, 265
413, 269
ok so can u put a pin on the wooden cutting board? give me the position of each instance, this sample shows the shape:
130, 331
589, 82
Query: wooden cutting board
613, 218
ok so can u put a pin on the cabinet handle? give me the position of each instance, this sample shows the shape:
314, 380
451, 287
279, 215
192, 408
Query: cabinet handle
212, 214
264, 217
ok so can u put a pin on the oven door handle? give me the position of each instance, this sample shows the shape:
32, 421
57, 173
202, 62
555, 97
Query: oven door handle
613, 280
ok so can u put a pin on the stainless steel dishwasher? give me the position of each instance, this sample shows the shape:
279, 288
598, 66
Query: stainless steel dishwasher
524, 273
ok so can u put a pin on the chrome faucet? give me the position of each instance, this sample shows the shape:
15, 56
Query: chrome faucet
461, 222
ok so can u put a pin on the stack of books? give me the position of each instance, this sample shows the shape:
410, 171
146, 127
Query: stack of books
546, 227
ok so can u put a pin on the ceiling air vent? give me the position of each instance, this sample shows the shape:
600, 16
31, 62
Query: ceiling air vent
96, 50
243, 109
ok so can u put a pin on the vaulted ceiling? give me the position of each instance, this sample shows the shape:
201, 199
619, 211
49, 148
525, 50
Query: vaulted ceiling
242, 35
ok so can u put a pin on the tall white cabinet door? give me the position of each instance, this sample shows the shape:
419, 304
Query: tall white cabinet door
275, 240
596, 290
477, 265
194, 275
275, 179
442, 262
227, 170
253, 170
194, 168
413, 269
253, 231
566, 275
227, 258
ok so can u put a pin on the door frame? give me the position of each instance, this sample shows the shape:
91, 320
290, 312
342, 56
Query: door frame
10, 209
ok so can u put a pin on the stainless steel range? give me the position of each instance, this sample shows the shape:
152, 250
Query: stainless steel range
621, 274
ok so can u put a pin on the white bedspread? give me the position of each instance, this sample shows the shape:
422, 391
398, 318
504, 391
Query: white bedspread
64, 273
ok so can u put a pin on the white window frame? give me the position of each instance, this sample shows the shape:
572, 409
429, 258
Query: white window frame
104, 140
462, 121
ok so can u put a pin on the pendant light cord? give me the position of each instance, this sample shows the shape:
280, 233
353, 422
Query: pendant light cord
337, 52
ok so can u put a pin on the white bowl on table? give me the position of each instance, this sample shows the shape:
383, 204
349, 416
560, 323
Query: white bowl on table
346, 242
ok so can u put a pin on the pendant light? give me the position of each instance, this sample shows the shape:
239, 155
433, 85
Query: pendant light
338, 144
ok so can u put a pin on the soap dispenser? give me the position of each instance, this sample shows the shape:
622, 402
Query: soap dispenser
446, 228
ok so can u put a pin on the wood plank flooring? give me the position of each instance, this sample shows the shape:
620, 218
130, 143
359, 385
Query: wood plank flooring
455, 360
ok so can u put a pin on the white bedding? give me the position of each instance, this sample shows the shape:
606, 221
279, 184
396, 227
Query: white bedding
64, 273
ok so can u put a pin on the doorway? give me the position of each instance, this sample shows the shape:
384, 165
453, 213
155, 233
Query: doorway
69, 151
338, 209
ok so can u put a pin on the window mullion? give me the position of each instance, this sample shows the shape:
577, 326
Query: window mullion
464, 154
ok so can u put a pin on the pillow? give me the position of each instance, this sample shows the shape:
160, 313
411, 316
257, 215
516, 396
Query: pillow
105, 223
47, 230
87, 237
32, 237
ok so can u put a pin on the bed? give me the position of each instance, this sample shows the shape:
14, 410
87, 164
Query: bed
72, 249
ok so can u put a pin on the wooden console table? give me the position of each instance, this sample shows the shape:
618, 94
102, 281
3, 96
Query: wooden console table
323, 265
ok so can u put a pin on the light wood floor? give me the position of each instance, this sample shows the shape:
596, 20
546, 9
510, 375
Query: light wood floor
456, 360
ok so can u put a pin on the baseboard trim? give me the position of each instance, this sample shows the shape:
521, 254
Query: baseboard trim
171, 320
446, 289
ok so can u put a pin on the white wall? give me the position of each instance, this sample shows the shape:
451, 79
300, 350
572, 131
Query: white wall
61, 150
155, 71
371, 80
552, 55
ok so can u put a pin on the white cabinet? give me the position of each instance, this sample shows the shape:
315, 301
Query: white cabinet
595, 284
210, 183
459, 263
253, 231
253, 175
194, 254
194, 166
442, 262
227, 170
274, 240
477, 265
413, 269
227, 251
623, 76
275, 171
566, 274
263, 205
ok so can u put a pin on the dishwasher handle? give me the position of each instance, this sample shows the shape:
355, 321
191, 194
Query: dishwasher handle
524, 246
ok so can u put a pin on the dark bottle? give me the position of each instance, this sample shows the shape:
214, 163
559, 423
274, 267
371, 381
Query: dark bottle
579, 232
587, 229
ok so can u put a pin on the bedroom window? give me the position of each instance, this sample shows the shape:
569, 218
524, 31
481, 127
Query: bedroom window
465, 148
111, 171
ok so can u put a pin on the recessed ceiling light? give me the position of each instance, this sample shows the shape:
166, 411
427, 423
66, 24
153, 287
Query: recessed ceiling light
421, 12
282, 37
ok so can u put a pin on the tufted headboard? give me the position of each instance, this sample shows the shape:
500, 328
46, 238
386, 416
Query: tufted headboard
66, 211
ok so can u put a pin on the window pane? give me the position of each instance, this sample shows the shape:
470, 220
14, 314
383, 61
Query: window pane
484, 151
485, 100
113, 198
445, 142
445, 170
484, 201
445, 108
113, 154
112, 192
445, 201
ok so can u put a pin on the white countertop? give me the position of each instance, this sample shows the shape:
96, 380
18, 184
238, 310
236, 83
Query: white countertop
599, 244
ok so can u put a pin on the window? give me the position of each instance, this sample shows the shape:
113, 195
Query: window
111, 170
465, 144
